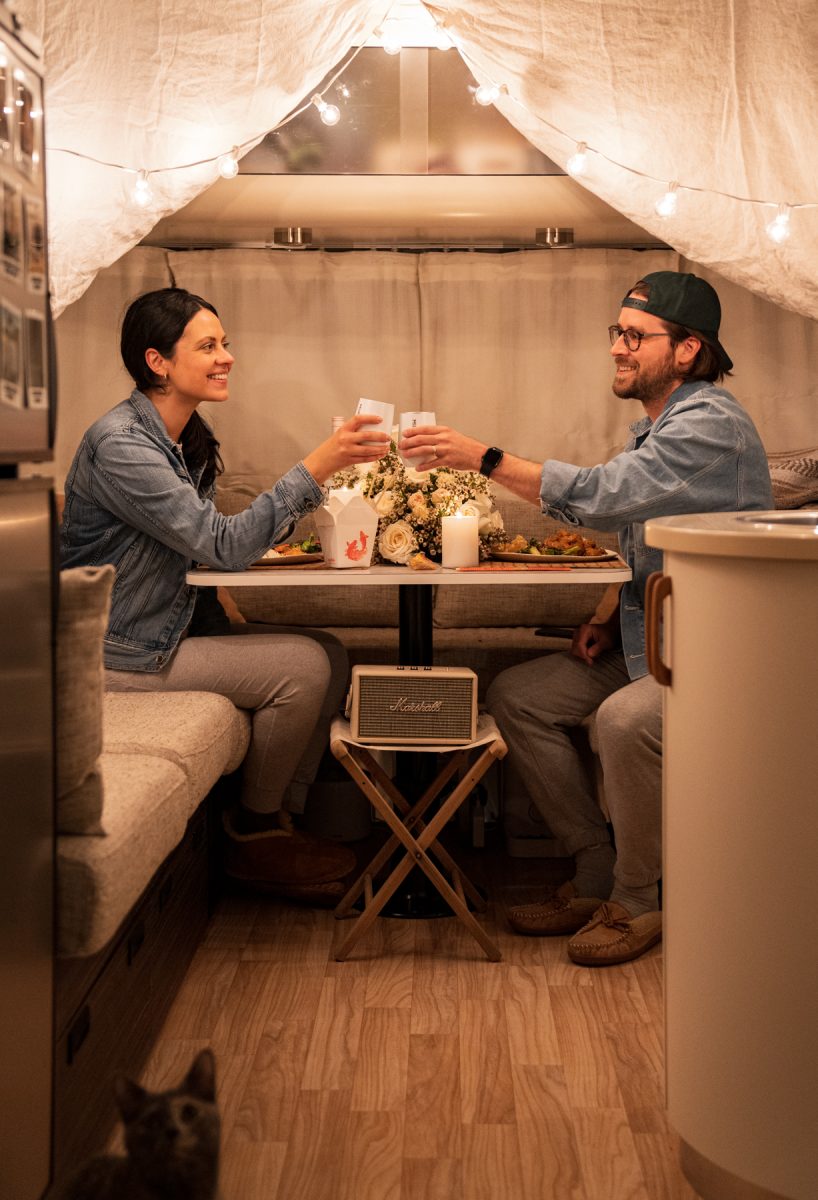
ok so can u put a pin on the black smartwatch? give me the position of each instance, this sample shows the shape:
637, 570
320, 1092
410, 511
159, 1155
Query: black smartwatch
491, 459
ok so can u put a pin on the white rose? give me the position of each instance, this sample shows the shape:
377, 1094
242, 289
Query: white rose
385, 503
441, 498
492, 523
470, 508
483, 502
416, 477
397, 542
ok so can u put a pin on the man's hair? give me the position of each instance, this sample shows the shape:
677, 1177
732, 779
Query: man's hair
705, 365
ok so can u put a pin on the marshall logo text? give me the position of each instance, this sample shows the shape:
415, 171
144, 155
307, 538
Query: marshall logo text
405, 705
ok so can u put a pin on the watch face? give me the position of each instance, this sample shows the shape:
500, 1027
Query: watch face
490, 460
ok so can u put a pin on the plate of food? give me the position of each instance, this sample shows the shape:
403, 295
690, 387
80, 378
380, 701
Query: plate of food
564, 546
292, 554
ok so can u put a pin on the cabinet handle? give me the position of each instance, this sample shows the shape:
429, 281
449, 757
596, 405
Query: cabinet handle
657, 588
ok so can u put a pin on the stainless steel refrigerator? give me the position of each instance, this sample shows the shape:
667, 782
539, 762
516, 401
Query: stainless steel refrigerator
28, 575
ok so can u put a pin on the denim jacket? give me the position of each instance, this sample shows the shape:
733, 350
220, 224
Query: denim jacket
702, 454
131, 501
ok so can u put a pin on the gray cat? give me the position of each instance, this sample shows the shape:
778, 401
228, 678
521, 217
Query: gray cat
172, 1143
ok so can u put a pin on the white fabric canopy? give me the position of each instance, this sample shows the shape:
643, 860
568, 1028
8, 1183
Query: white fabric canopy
719, 95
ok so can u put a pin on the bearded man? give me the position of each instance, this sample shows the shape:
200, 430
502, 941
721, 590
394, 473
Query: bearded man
695, 450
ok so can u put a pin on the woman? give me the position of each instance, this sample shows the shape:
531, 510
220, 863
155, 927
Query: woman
139, 495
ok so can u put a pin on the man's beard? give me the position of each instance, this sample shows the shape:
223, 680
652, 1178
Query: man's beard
648, 384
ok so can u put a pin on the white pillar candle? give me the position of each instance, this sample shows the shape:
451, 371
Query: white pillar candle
459, 541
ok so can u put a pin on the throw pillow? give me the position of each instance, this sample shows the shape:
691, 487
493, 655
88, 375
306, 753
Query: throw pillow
794, 475
82, 619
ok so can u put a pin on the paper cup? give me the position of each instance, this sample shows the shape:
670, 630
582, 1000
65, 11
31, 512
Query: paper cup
411, 420
385, 411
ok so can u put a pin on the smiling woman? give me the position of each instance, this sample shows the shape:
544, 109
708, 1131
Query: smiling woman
139, 495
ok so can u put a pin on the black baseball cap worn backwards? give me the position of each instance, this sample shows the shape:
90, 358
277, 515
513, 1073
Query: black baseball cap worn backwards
685, 300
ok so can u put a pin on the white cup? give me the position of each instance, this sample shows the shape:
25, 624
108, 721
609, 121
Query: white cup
385, 411
411, 420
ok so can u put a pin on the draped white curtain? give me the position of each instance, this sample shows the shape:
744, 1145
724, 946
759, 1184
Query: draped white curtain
719, 95
510, 347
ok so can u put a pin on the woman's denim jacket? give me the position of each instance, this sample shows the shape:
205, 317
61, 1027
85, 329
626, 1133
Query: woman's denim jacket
702, 454
131, 501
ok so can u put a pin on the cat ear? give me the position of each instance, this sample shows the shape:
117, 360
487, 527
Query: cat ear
201, 1078
130, 1097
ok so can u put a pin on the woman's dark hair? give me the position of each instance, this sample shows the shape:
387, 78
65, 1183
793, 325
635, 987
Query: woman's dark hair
156, 320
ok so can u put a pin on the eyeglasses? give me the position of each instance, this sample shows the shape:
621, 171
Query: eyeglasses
632, 338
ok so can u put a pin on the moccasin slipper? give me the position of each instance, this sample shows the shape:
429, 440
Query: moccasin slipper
565, 912
614, 936
288, 859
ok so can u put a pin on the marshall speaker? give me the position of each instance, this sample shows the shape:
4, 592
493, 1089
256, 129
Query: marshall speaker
413, 705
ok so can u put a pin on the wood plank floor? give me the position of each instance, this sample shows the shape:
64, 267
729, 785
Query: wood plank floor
418, 1070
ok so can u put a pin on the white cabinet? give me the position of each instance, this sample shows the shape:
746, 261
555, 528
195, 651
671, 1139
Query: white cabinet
741, 847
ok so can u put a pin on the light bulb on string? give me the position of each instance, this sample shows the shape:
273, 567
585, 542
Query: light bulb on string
778, 229
487, 93
330, 113
578, 161
228, 164
668, 205
142, 194
390, 41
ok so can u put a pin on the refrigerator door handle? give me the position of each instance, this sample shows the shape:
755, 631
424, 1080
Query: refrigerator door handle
657, 588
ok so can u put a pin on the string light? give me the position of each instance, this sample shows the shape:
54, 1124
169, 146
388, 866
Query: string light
488, 93
142, 194
578, 161
330, 113
778, 229
668, 205
390, 40
228, 164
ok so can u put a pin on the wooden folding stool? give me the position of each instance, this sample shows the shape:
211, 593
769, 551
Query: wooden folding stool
418, 838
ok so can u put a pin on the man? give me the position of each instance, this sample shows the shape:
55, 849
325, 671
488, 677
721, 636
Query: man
695, 450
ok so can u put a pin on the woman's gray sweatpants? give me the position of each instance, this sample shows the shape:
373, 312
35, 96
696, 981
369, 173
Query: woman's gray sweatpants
291, 680
536, 703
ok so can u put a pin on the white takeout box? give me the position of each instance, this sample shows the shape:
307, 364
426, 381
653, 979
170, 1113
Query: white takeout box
346, 525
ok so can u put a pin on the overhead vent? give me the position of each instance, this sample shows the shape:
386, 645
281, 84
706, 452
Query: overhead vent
414, 161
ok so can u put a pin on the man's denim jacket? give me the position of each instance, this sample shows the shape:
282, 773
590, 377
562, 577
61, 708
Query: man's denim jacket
131, 501
702, 454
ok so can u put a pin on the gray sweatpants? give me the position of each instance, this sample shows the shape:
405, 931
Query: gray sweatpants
536, 703
291, 680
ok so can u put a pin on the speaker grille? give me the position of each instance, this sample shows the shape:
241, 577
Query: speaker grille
415, 709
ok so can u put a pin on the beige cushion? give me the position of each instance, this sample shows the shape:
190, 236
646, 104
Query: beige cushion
794, 475
502, 606
200, 732
99, 880
82, 619
319, 606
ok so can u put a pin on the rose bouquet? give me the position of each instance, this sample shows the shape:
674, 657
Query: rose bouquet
410, 505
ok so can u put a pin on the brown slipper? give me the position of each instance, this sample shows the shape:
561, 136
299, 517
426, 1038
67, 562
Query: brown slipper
614, 936
565, 912
284, 858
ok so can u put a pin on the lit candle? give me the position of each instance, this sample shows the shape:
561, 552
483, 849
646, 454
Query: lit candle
459, 541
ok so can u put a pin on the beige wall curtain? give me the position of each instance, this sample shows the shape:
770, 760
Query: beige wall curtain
512, 348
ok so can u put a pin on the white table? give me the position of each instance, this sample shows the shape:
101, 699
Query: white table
415, 596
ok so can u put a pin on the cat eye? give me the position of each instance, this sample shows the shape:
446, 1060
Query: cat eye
189, 1112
